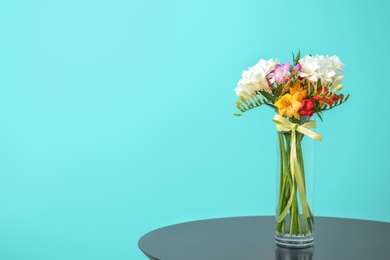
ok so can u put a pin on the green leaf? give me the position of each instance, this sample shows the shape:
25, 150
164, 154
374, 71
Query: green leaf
278, 91
319, 114
237, 114
267, 96
297, 58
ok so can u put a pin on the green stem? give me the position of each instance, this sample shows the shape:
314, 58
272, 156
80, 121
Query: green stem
298, 224
282, 183
285, 182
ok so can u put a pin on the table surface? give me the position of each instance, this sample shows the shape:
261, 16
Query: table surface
252, 238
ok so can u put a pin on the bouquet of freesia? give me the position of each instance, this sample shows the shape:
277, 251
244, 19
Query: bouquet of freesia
306, 87
297, 91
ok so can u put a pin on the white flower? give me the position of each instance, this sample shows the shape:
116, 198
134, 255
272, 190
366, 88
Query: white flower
309, 68
337, 65
267, 65
325, 68
243, 86
255, 77
326, 75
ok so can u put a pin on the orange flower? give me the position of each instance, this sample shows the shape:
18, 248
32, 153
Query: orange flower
289, 105
301, 94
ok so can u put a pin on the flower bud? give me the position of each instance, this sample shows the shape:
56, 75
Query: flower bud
339, 87
337, 81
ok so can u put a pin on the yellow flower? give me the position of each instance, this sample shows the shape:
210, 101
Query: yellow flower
289, 105
297, 90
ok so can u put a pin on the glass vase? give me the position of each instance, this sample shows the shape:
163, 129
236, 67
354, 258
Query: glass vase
294, 196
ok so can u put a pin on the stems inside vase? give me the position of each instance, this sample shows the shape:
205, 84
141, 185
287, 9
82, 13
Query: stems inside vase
290, 218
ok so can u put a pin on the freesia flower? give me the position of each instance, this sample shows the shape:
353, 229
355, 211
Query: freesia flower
288, 105
256, 77
324, 95
328, 100
326, 75
325, 68
309, 68
306, 107
331, 67
267, 65
336, 65
282, 72
298, 91
244, 86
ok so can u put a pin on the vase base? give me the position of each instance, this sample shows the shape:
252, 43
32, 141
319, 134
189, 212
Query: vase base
294, 241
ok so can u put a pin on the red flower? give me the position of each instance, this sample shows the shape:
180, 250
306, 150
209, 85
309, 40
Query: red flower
306, 107
326, 96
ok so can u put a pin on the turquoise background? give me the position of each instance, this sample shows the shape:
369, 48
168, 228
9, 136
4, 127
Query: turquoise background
116, 117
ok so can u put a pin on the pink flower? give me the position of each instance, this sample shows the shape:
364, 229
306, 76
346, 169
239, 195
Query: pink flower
281, 72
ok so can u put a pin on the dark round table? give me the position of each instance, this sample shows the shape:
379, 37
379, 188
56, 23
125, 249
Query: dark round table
252, 238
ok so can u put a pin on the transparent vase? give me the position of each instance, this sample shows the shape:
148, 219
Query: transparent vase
294, 189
